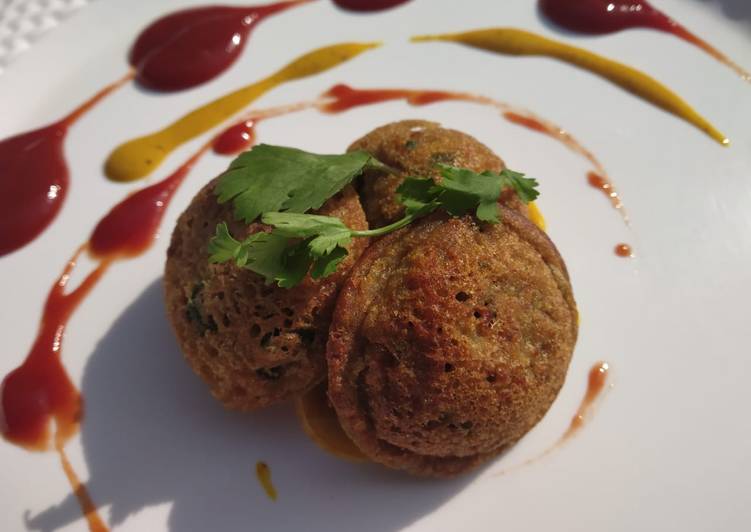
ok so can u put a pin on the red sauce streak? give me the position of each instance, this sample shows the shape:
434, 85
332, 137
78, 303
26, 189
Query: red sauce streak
236, 139
345, 97
342, 98
191, 46
39, 392
594, 179
623, 250
368, 5
34, 176
129, 228
175, 52
606, 187
598, 377
525, 121
609, 16
88, 507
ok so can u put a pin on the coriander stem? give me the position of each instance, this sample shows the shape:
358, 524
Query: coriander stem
408, 219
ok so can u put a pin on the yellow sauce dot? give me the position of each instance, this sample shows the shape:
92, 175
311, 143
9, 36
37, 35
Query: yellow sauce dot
512, 41
536, 216
322, 426
263, 472
137, 158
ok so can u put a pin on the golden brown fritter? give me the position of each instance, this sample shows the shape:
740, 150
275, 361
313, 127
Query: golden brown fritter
415, 147
254, 344
450, 340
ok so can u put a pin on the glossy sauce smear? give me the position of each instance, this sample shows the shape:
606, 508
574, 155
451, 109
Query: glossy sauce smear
179, 50
512, 41
137, 158
34, 178
609, 16
192, 46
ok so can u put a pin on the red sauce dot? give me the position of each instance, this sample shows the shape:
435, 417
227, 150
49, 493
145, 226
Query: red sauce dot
623, 250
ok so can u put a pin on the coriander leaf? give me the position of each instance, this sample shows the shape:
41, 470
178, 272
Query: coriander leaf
295, 225
296, 261
328, 232
327, 243
222, 247
267, 254
525, 187
325, 265
463, 190
488, 211
416, 193
276, 178
264, 254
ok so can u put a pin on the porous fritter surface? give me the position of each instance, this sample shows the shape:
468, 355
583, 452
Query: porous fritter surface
450, 340
254, 344
414, 148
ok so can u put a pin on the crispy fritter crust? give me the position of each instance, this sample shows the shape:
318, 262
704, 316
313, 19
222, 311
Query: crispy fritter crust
450, 340
254, 344
415, 147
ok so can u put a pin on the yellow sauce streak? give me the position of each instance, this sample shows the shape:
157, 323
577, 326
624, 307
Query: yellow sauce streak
139, 157
263, 472
536, 216
322, 426
519, 42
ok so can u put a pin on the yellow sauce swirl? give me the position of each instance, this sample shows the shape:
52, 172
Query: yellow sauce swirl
137, 158
263, 472
519, 42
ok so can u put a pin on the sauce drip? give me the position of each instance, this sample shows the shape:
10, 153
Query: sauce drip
84, 499
263, 474
604, 185
623, 250
34, 176
139, 157
236, 139
320, 423
512, 41
596, 381
368, 5
598, 377
609, 16
192, 46
39, 391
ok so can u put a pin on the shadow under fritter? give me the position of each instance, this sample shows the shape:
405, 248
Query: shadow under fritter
153, 435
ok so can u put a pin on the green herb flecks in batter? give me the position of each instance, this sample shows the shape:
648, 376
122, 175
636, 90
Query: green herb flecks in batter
278, 178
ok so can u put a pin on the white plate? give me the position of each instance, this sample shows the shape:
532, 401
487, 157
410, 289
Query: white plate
668, 448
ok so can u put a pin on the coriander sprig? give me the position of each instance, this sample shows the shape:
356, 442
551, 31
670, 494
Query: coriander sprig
300, 243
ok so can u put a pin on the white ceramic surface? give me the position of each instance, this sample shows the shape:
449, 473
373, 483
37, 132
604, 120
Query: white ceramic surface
670, 445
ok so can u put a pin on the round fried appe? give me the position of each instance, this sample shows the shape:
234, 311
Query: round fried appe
254, 344
415, 148
450, 340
